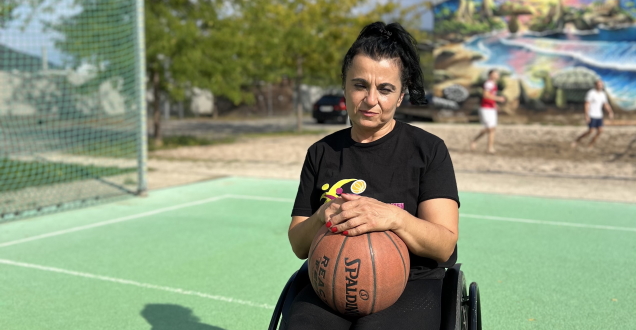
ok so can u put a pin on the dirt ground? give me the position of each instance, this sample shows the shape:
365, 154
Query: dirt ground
531, 160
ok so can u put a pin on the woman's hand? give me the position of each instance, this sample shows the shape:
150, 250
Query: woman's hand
432, 234
303, 229
329, 210
357, 215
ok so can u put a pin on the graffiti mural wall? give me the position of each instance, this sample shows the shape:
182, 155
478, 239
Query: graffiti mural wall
549, 52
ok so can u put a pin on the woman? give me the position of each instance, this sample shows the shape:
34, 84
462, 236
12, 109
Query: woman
409, 184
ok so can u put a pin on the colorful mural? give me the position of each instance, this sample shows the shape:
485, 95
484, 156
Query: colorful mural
549, 52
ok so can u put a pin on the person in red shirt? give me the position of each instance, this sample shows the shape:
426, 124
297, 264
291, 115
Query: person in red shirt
488, 111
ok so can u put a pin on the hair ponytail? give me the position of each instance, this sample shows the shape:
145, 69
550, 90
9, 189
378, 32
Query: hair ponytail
381, 41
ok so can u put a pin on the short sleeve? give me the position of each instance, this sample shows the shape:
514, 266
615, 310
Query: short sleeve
437, 179
489, 85
303, 203
588, 96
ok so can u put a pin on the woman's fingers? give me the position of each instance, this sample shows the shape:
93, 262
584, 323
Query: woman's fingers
348, 224
354, 227
357, 215
359, 230
333, 209
344, 215
357, 225
350, 197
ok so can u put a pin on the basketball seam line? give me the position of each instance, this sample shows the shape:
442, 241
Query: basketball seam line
372, 254
406, 272
335, 270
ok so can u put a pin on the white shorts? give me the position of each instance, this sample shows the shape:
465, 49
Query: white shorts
488, 117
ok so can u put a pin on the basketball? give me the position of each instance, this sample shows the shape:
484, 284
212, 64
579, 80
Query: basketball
358, 275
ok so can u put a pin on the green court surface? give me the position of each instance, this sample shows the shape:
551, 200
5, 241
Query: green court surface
215, 255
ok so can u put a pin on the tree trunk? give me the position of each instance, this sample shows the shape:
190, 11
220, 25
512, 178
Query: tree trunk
270, 107
460, 13
486, 7
513, 24
156, 104
299, 104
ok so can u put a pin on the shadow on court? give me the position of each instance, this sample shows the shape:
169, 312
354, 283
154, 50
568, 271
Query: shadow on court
173, 317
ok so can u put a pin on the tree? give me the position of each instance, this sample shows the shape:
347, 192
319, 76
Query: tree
225, 46
7, 9
192, 44
307, 39
188, 44
100, 37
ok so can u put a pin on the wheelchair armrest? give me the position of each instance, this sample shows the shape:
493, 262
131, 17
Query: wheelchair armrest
452, 287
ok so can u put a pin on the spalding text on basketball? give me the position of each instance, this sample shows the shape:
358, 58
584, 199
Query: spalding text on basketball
352, 269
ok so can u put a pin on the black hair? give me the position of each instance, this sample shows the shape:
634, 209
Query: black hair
381, 41
491, 71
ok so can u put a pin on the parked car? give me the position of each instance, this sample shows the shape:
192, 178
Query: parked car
408, 111
330, 107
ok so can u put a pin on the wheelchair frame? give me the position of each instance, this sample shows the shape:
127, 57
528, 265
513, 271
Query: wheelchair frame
461, 308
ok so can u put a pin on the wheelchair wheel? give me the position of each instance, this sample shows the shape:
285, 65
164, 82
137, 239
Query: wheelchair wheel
474, 304
463, 306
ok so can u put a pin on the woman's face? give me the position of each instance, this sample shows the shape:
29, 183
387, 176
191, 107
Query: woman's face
373, 91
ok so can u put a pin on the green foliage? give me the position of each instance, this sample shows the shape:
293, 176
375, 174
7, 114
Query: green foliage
16, 174
6, 10
100, 36
225, 46
444, 13
192, 44
171, 142
427, 62
308, 38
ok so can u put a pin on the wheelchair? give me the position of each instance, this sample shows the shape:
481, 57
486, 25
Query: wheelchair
461, 308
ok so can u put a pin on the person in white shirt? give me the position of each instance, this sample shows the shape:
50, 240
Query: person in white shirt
595, 102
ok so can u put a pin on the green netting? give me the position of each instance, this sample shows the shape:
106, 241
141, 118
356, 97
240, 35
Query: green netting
72, 131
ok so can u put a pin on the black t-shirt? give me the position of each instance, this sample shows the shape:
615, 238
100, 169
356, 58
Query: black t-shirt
403, 168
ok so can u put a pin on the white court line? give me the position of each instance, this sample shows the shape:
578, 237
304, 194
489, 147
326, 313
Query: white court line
285, 200
142, 215
110, 222
551, 223
135, 283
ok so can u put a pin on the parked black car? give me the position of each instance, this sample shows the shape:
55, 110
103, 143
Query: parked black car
330, 107
409, 111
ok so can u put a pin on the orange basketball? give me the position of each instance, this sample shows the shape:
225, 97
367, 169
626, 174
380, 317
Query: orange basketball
358, 275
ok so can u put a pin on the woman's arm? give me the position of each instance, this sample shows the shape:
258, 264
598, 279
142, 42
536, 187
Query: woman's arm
432, 234
303, 229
